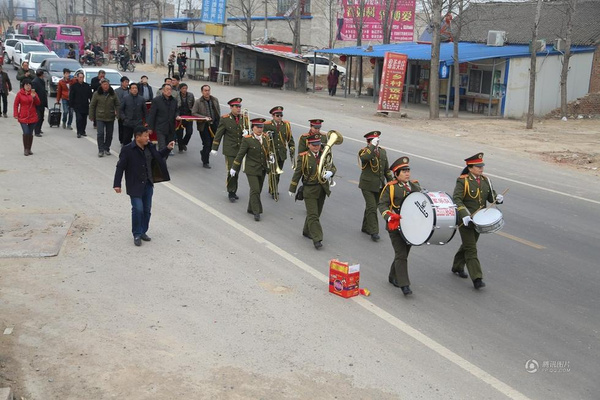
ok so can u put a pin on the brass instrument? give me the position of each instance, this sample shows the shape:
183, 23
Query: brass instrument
274, 168
245, 121
326, 161
293, 159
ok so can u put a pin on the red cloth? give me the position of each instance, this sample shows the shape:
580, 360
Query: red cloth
24, 107
332, 79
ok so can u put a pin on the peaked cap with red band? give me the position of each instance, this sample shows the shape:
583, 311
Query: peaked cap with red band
476, 160
372, 135
315, 122
315, 139
235, 101
400, 163
276, 109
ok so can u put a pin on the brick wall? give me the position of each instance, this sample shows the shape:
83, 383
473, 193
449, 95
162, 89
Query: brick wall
595, 77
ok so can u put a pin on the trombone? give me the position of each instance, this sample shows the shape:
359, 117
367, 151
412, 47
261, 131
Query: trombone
274, 169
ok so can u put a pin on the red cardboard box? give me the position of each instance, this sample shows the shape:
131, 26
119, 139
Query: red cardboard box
343, 278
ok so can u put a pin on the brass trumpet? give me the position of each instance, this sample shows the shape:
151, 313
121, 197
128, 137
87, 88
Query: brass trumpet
274, 168
326, 162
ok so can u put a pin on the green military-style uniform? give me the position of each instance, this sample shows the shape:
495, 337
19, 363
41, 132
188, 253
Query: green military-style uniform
303, 146
390, 201
230, 132
470, 195
281, 134
373, 177
255, 168
314, 192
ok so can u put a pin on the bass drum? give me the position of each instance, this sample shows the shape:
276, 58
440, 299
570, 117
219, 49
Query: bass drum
428, 218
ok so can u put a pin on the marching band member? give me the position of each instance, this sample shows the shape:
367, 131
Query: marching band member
281, 134
373, 177
255, 148
230, 130
471, 192
390, 202
314, 191
315, 129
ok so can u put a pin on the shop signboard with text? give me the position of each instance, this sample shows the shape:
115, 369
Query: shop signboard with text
392, 82
373, 12
213, 11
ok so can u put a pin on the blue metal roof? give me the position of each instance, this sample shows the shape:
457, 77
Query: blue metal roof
466, 51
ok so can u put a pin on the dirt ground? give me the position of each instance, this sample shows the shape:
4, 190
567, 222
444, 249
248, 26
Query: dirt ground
574, 143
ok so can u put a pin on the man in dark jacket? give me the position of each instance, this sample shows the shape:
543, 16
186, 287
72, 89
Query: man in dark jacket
132, 112
121, 92
144, 89
162, 116
143, 166
5, 87
39, 85
185, 103
207, 106
95, 84
80, 95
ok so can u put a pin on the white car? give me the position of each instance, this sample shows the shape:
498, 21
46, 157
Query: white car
112, 75
22, 47
35, 58
9, 49
17, 36
322, 65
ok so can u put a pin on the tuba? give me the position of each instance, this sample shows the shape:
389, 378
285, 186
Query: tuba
326, 162
274, 168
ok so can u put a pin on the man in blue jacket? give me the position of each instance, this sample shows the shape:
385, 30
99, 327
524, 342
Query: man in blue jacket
143, 166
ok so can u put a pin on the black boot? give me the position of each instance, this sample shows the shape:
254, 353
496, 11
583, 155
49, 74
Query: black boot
25, 141
29, 144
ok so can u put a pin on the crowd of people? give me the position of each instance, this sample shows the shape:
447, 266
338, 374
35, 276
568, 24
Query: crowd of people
258, 147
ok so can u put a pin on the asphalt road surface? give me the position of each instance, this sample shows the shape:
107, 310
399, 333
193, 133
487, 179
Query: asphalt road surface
221, 306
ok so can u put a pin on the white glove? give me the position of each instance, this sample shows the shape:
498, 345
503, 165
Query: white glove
466, 220
328, 174
375, 141
232, 172
499, 199
292, 194
213, 152
245, 132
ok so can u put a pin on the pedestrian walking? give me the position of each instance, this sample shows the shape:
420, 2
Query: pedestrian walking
162, 116
132, 111
24, 111
121, 92
185, 103
79, 98
143, 166
5, 88
104, 109
62, 97
207, 106
39, 86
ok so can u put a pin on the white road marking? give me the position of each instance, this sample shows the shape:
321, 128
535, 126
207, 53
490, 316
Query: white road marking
366, 304
462, 166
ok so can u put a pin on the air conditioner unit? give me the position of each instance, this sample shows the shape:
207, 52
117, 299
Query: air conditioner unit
496, 38
559, 45
540, 46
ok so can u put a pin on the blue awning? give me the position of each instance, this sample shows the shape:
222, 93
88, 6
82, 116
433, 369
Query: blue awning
466, 51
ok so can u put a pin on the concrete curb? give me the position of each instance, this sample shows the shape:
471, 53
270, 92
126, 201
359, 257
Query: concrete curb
6, 394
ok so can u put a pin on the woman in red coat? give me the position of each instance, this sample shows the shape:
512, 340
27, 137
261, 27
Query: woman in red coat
25, 112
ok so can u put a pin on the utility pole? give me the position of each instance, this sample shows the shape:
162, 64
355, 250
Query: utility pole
266, 22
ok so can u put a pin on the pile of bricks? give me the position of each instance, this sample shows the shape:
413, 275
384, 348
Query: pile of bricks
587, 106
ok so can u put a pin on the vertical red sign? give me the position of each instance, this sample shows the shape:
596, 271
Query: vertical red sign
392, 81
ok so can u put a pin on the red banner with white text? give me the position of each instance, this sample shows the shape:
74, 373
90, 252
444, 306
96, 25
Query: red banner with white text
392, 82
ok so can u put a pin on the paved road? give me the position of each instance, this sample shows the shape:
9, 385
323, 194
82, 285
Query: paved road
221, 305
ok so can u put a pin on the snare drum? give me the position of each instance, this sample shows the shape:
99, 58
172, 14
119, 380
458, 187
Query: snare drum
488, 220
428, 218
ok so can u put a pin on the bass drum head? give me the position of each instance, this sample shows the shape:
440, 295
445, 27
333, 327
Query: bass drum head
418, 218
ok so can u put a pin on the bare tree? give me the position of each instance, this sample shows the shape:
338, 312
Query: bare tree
8, 13
160, 4
570, 4
330, 9
56, 5
456, 32
533, 65
125, 8
434, 78
244, 9
387, 19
